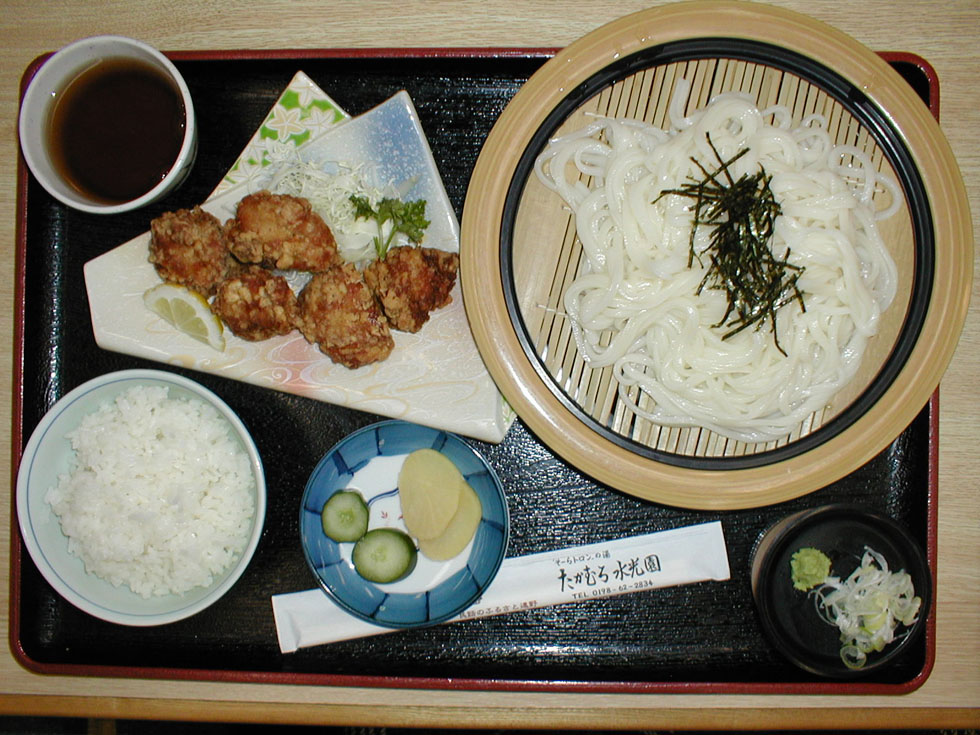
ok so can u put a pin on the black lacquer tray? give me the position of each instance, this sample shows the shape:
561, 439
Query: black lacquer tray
696, 638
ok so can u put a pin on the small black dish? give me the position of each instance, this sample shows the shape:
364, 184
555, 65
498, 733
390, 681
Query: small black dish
789, 616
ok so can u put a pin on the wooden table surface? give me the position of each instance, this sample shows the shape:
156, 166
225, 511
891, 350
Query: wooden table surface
947, 34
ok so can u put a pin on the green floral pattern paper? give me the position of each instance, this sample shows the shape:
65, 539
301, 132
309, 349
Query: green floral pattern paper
303, 111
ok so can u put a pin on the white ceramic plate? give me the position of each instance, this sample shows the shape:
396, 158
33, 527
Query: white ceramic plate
434, 377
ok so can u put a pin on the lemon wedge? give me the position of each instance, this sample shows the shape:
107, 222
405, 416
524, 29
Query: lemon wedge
188, 311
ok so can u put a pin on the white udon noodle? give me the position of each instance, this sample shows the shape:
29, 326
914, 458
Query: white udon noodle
635, 305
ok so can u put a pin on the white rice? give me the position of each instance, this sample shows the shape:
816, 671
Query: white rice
160, 497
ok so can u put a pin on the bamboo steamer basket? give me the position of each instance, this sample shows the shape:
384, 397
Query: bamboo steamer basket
519, 250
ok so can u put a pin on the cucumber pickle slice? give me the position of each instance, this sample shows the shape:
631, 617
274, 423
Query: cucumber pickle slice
345, 516
384, 555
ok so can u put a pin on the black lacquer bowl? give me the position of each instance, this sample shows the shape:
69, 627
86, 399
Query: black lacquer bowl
843, 532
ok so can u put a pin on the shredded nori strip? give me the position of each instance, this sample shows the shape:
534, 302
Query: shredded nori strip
743, 215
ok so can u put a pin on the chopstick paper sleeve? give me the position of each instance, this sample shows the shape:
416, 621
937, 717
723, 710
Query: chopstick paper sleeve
661, 559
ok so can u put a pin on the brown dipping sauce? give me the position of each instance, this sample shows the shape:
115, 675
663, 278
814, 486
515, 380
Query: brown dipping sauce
116, 129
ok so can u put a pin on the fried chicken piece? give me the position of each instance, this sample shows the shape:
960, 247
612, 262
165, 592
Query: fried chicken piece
411, 282
188, 247
256, 304
340, 315
281, 231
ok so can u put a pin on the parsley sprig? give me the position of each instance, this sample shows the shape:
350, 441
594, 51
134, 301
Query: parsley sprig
405, 217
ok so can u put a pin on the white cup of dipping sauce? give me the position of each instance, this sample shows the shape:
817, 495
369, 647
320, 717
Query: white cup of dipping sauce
107, 125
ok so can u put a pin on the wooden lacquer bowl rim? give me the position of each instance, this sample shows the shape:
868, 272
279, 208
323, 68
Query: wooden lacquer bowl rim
613, 464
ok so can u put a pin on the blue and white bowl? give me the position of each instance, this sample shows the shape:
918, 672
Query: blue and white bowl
369, 460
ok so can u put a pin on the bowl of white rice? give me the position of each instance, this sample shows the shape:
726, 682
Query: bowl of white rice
141, 497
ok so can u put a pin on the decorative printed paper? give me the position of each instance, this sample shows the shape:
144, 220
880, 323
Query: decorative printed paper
683, 555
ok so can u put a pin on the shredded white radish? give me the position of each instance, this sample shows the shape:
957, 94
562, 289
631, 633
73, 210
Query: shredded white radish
868, 607
329, 192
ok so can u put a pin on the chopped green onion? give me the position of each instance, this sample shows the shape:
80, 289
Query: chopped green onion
868, 607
